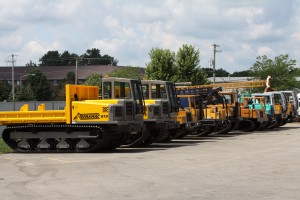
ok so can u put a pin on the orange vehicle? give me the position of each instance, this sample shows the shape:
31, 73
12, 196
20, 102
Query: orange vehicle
211, 118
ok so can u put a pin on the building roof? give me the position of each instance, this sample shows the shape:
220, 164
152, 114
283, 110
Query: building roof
228, 79
57, 72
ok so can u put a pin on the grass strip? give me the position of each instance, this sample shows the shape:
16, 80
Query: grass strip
4, 148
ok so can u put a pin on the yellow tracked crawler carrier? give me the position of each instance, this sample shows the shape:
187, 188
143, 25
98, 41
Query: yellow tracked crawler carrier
161, 109
201, 103
87, 124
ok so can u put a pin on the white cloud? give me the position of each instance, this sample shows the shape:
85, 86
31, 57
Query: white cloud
110, 47
12, 42
111, 22
264, 50
259, 30
128, 30
35, 48
295, 36
244, 12
139, 12
247, 48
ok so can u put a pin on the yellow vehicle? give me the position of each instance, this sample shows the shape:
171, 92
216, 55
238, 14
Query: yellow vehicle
86, 124
238, 115
235, 115
236, 85
199, 102
248, 118
161, 109
276, 100
222, 107
293, 104
216, 109
188, 116
253, 111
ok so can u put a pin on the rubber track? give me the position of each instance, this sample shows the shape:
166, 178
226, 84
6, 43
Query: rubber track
97, 143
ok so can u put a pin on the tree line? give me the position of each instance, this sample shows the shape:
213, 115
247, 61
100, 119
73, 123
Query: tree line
90, 57
180, 66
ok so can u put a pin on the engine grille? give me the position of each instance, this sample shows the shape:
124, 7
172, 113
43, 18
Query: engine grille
129, 108
189, 116
156, 111
261, 114
118, 112
165, 108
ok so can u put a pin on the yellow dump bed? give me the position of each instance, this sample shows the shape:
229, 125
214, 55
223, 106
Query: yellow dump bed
41, 115
25, 117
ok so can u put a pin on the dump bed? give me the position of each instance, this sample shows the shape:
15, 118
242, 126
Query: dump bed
36, 117
41, 115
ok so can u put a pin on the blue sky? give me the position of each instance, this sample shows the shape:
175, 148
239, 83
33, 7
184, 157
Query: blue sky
127, 30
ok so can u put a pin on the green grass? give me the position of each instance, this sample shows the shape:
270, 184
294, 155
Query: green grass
4, 148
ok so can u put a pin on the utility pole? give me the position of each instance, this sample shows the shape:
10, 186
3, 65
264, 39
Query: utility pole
76, 71
214, 61
12, 75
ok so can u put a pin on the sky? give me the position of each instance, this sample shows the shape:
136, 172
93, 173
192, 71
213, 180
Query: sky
129, 29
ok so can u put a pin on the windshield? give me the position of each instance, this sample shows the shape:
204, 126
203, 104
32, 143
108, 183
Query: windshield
158, 91
145, 89
228, 97
137, 95
106, 90
173, 97
122, 90
277, 99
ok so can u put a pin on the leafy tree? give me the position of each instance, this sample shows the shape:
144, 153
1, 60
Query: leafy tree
41, 89
51, 58
208, 71
187, 65
68, 59
281, 69
54, 58
26, 94
244, 73
93, 79
5, 90
219, 72
61, 88
70, 77
187, 62
108, 60
60, 92
199, 78
161, 65
31, 64
93, 57
297, 71
128, 72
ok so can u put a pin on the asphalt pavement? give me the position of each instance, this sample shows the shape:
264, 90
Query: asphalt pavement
261, 165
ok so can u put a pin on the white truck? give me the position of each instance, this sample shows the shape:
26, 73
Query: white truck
298, 111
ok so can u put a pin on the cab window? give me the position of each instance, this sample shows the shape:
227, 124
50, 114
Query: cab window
122, 90
107, 90
158, 91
